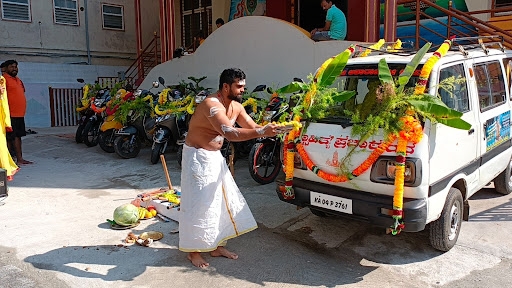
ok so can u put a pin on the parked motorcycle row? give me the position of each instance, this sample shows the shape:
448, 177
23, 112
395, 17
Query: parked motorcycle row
122, 121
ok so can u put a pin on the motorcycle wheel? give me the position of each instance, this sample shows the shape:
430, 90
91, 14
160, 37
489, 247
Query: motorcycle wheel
106, 140
90, 134
125, 149
243, 149
79, 132
156, 151
263, 166
180, 154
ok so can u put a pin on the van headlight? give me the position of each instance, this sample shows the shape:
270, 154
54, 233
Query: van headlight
383, 171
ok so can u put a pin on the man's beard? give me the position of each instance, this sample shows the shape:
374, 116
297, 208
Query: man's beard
12, 73
234, 97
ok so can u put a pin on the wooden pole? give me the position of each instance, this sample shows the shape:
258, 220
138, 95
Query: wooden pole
164, 165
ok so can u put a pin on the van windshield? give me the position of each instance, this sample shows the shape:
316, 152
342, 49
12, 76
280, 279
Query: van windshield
364, 79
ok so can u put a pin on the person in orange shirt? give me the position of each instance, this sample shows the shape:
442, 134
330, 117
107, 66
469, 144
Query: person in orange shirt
17, 108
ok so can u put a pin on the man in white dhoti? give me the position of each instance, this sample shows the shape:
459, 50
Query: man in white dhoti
212, 208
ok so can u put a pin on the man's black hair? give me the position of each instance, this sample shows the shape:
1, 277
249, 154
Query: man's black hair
8, 62
230, 75
219, 21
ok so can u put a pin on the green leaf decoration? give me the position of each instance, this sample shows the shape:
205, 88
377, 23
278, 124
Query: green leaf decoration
384, 73
411, 66
441, 113
343, 96
334, 69
455, 123
291, 88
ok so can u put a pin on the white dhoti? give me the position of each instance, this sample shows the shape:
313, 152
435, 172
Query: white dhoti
212, 209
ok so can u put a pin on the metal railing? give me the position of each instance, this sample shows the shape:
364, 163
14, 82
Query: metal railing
148, 58
458, 23
63, 102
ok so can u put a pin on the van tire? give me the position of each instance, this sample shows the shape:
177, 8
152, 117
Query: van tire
444, 232
503, 182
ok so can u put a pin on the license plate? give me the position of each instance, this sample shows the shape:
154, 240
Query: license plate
335, 203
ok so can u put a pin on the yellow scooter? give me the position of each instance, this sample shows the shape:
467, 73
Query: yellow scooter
111, 124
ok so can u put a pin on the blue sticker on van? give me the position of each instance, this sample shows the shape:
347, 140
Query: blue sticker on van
497, 130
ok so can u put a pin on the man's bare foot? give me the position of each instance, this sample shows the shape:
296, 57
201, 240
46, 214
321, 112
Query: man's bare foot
197, 260
221, 251
23, 162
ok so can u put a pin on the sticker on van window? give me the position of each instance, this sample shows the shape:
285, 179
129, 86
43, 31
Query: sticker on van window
342, 142
497, 130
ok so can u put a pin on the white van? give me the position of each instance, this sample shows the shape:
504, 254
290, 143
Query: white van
442, 171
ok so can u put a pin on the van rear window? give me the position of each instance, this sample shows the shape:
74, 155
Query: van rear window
364, 79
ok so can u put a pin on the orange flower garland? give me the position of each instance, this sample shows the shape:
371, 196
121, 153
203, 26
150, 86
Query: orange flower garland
411, 132
427, 67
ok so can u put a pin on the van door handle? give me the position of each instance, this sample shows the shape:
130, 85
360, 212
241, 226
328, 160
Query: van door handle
471, 131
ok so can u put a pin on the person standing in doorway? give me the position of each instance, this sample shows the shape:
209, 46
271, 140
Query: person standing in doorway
17, 108
335, 24
212, 208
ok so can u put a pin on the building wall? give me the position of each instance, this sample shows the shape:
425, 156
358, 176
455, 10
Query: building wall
42, 40
270, 51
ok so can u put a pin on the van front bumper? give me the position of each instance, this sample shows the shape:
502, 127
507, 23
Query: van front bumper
367, 207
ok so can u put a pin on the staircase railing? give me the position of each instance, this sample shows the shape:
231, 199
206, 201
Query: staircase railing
458, 24
148, 58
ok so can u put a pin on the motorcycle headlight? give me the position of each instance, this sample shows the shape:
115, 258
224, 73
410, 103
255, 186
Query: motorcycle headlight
137, 93
267, 115
98, 102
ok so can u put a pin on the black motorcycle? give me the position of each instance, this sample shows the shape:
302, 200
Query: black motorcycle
139, 130
92, 127
264, 158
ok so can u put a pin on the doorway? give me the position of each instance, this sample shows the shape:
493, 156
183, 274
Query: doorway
311, 15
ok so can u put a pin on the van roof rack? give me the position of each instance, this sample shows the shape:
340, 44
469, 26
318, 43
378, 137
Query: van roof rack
406, 49
478, 42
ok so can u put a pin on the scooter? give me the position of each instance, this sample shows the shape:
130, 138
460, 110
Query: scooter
140, 128
168, 128
111, 124
84, 110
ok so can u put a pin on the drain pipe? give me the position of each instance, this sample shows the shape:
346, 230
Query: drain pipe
87, 44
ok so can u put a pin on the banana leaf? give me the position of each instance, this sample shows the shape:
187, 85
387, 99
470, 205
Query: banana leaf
441, 113
384, 73
343, 96
404, 77
291, 88
334, 69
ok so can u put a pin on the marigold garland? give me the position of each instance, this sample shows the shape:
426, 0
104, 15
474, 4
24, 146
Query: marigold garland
427, 67
253, 103
375, 46
186, 104
412, 132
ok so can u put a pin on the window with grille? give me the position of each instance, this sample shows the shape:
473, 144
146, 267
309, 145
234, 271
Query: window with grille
196, 18
65, 12
18, 10
112, 17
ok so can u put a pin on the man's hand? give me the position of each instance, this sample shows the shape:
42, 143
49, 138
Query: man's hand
313, 32
8, 129
269, 130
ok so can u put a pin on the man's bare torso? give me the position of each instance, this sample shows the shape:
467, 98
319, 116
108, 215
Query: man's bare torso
201, 133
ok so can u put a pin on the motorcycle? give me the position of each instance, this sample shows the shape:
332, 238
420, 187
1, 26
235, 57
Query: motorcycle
91, 129
168, 127
111, 124
264, 158
84, 110
129, 139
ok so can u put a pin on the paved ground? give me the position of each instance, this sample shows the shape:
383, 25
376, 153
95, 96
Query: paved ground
54, 234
